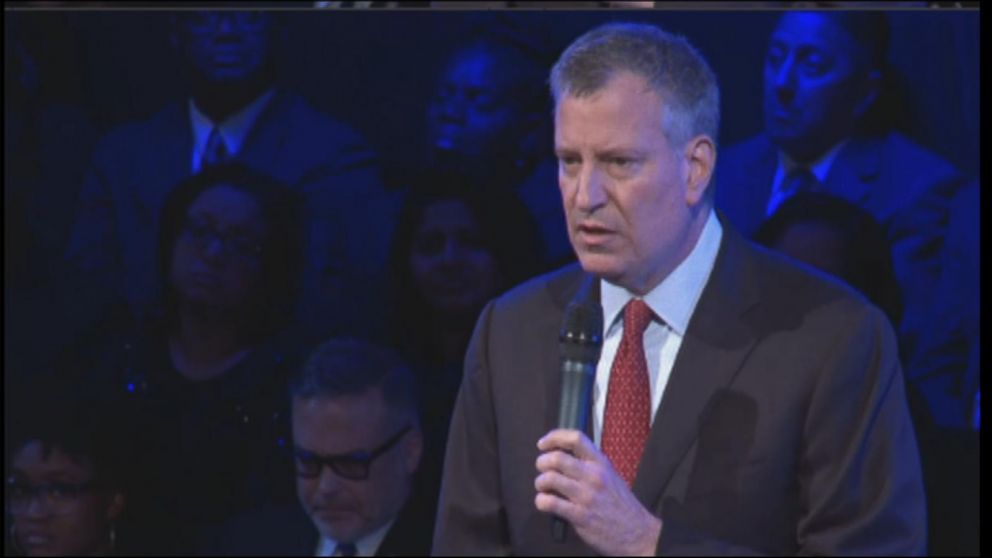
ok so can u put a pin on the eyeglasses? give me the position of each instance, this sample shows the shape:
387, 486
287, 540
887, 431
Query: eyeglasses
58, 497
239, 245
352, 466
208, 20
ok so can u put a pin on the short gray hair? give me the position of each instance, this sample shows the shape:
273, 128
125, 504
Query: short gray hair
673, 67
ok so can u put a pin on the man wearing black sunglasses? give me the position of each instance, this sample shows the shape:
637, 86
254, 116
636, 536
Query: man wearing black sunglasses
357, 444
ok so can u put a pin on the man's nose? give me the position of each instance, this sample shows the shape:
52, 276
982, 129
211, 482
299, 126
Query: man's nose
330, 482
784, 80
451, 107
590, 189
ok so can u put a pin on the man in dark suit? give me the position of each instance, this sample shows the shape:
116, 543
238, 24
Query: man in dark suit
236, 110
823, 131
741, 404
357, 444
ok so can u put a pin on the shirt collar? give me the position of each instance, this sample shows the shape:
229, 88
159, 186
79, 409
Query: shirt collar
234, 129
365, 546
674, 299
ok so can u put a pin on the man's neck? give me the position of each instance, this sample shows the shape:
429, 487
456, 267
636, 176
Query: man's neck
219, 101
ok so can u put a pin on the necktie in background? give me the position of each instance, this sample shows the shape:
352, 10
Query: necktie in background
346, 549
627, 418
799, 180
216, 151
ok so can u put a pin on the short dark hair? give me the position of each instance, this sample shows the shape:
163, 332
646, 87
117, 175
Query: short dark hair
282, 249
83, 427
867, 254
349, 366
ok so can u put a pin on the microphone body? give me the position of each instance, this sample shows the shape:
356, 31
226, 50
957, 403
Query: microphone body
580, 343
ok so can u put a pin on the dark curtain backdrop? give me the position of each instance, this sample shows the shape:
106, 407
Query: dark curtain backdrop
376, 68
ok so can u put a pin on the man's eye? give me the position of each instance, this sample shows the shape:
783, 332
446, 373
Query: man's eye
775, 56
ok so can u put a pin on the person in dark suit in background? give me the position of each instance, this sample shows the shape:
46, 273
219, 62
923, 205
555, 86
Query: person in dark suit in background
357, 444
235, 110
741, 405
825, 130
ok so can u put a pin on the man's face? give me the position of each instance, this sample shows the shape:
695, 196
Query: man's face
343, 509
625, 189
225, 46
473, 113
816, 84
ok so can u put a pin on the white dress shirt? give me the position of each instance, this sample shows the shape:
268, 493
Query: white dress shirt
673, 301
365, 546
819, 168
233, 131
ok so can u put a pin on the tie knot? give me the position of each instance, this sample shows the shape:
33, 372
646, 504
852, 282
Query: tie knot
799, 180
637, 316
346, 549
216, 150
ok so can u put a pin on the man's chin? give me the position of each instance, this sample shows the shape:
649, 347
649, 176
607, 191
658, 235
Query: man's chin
599, 264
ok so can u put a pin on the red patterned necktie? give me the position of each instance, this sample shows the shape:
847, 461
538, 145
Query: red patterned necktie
627, 419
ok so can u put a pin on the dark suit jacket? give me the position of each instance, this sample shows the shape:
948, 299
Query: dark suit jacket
288, 531
348, 212
783, 428
904, 186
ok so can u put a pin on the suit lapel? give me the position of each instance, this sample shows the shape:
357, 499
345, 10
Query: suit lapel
266, 140
854, 171
168, 146
715, 346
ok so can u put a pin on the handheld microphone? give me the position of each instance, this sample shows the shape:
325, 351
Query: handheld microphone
580, 343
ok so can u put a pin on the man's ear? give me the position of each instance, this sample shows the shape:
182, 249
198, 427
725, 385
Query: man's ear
699, 160
873, 87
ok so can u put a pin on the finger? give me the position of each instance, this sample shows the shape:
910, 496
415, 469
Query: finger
561, 462
572, 441
560, 439
557, 505
559, 484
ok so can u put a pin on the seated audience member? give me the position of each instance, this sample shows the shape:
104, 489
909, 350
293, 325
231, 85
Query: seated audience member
823, 74
67, 491
488, 119
839, 238
234, 109
845, 241
357, 443
205, 380
457, 246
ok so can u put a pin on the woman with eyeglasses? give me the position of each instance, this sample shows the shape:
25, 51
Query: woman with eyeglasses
206, 379
66, 491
